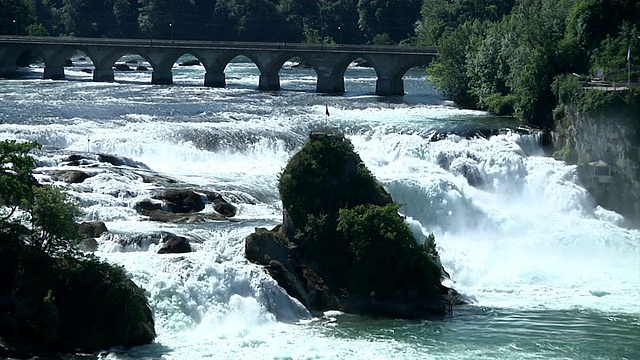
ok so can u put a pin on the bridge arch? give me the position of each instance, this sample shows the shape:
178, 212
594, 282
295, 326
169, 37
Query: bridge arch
105, 62
109, 60
215, 63
173, 58
298, 73
343, 63
66, 52
270, 74
14, 55
340, 68
9, 58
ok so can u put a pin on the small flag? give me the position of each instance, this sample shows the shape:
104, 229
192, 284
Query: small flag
629, 54
326, 109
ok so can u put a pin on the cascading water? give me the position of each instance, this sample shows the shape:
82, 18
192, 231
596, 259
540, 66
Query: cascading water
514, 229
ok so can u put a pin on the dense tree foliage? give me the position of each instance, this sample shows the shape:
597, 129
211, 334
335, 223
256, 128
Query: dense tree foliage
16, 181
337, 21
325, 176
384, 256
68, 304
504, 56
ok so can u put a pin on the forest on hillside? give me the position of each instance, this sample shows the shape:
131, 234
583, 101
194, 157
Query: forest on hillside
510, 57
347, 21
524, 57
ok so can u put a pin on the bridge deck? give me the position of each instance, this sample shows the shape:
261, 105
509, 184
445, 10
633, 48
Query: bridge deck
222, 45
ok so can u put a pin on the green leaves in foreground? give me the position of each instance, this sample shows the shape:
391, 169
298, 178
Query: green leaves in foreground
49, 212
52, 216
16, 181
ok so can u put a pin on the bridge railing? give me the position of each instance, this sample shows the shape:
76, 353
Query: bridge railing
222, 45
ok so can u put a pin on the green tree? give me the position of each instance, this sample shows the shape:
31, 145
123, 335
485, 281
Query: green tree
324, 176
36, 29
503, 57
125, 14
440, 17
393, 17
256, 20
350, 226
15, 16
16, 181
383, 251
50, 292
50, 213
449, 72
487, 68
539, 27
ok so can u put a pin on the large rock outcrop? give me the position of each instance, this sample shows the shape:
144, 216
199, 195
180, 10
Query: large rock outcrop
342, 244
600, 140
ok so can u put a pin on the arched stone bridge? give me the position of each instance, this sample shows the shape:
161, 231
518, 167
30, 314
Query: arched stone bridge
328, 60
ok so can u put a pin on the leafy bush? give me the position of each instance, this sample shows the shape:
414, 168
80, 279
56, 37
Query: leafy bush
68, 303
382, 39
99, 305
385, 256
51, 296
16, 181
566, 88
324, 176
50, 212
52, 216
500, 104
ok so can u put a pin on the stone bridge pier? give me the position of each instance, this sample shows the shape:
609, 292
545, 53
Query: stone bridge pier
328, 61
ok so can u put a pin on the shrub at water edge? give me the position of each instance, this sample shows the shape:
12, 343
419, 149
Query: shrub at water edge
53, 298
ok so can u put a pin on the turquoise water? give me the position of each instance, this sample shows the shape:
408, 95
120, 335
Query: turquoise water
483, 333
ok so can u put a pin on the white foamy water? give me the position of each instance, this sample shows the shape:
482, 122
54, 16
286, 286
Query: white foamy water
515, 230
526, 235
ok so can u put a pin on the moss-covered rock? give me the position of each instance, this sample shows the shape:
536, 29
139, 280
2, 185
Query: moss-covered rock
343, 244
323, 177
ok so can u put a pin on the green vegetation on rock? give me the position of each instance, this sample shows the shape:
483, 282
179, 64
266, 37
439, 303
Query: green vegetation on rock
52, 297
385, 256
343, 224
325, 176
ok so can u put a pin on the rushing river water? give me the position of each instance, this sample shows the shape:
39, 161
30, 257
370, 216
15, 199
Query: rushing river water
552, 275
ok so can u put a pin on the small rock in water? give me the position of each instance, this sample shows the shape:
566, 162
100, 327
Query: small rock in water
174, 244
598, 293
